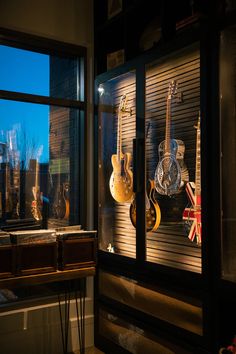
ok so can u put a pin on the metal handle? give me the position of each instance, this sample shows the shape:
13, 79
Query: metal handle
138, 164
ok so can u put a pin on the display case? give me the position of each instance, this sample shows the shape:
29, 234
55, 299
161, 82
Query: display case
172, 167
149, 195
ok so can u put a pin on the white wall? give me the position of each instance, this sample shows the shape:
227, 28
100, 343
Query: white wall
36, 330
65, 20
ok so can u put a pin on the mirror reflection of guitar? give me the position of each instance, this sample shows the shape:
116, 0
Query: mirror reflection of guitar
171, 173
61, 204
121, 180
61, 207
193, 190
153, 212
36, 204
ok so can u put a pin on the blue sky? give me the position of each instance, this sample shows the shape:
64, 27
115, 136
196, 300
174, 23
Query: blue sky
28, 72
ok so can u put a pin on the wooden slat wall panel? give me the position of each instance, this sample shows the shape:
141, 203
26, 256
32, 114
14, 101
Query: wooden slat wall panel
169, 245
125, 234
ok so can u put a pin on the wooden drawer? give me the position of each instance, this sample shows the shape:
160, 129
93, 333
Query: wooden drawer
77, 252
36, 258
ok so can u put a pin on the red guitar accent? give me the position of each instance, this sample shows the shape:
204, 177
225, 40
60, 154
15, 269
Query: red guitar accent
193, 191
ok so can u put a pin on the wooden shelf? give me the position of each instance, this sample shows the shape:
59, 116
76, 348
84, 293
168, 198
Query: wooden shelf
44, 278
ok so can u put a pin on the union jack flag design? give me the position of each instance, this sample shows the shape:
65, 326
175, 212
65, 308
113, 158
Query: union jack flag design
193, 213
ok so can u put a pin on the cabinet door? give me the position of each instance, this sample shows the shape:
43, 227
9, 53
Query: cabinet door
228, 148
117, 126
173, 174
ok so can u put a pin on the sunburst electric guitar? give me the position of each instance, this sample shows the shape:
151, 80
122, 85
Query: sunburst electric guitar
171, 172
153, 212
193, 190
121, 180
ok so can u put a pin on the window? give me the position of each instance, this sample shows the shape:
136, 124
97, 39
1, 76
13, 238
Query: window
42, 105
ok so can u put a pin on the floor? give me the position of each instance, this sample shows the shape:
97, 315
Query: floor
92, 350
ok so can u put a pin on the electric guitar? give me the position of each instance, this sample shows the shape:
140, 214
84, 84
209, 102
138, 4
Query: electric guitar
36, 204
171, 172
121, 180
153, 212
193, 190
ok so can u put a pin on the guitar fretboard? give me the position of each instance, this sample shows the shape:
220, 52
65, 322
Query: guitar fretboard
168, 118
198, 161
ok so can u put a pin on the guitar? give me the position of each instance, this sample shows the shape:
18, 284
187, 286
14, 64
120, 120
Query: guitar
36, 204
153, 212
193, 191
61, 206
171, 172
121, 180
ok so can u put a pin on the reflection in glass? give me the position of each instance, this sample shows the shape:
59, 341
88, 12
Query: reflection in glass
37, 154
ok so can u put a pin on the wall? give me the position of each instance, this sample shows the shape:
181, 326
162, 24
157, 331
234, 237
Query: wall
36, 329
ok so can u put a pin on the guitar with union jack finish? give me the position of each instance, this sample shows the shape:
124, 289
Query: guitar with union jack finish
193, 190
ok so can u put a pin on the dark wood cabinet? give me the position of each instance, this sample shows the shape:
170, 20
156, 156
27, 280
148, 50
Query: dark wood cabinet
166, 287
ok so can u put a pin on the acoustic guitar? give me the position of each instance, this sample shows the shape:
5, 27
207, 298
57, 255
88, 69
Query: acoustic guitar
193, 190
171, 172
153, 212
121, 180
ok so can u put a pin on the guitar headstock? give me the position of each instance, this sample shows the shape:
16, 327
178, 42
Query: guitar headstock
123, 104
173, 85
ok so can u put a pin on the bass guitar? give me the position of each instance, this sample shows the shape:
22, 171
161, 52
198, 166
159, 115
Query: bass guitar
193, 190
36, 204
153, 212
121, 180
171, 172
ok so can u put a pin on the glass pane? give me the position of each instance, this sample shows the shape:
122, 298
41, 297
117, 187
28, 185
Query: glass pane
117, 115
36, 73
173, 197
228, 151
37, 154
136, 340
181, 311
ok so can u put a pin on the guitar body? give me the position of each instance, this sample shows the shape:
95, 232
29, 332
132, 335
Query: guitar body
66, 188
192, 215
153, 212
121, 180
59, 207
168, 173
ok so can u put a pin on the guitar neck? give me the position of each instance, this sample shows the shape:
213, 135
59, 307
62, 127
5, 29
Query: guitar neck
198, 163
119, 136
36, 174
168, 119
